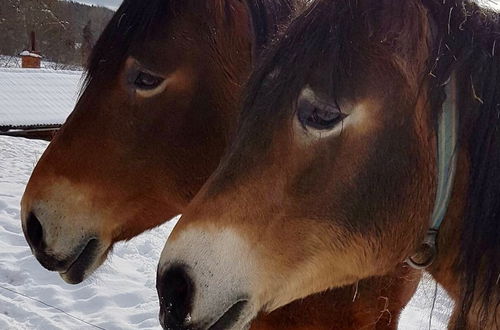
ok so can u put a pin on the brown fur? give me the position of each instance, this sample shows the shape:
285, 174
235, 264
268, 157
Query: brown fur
330, 211
142, 160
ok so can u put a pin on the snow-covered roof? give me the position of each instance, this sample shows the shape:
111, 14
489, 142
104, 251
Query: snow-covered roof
28, 53
37, 97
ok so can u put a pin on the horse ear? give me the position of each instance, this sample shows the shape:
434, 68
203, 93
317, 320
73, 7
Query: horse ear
266, 19
263, 18
260, 25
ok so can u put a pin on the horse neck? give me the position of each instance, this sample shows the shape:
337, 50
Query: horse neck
470, 270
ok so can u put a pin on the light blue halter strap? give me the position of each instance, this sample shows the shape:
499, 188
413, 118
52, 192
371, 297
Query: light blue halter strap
447, 143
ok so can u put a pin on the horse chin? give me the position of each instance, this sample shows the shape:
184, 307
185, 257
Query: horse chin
238, 316
92, 256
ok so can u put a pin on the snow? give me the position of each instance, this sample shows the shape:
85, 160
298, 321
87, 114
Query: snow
494, 4
34, 97
122, 294
28, 53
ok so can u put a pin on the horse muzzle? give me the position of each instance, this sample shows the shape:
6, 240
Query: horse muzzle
204, 290
74, 262
176, 293
64, 228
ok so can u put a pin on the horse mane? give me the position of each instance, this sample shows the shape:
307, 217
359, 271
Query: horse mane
463, 39
468, 43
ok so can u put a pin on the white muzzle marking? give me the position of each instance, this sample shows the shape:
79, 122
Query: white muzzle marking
221, 265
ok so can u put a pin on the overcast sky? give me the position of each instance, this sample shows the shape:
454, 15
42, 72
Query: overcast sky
114, 4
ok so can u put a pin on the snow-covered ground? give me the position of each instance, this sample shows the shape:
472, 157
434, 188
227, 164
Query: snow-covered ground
122, 294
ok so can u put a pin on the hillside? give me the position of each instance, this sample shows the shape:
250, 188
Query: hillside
65, 31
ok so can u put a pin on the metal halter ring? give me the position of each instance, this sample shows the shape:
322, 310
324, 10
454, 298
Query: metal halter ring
428, 248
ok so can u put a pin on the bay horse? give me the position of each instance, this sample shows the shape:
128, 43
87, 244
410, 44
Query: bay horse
369, 135
159, 107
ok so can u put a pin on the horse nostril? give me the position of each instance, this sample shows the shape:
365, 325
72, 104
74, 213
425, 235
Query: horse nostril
34, 231
175, 290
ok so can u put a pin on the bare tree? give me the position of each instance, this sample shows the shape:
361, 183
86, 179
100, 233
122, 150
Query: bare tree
65, 30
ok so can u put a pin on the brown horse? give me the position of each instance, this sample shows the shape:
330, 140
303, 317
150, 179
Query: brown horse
158, 110
333, 173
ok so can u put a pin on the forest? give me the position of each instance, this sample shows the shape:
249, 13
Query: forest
65, 31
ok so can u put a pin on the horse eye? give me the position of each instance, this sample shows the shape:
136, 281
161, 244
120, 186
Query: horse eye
318, 115
147, 81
